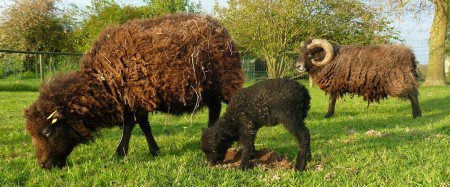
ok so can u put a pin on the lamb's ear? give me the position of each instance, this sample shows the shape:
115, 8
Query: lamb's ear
55, 116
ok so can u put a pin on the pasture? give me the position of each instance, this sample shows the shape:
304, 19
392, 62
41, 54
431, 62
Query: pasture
379, 145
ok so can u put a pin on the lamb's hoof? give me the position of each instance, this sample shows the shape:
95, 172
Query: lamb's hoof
245, 167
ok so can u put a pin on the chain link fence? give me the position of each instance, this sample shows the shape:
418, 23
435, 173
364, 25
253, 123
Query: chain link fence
22, 65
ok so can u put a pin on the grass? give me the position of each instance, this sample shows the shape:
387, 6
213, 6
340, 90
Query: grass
17, 85
379, 145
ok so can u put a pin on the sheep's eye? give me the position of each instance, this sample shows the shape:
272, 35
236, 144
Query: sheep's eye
47, 132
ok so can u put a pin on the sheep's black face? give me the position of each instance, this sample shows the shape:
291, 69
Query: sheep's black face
52, 146
53, 141
213, 147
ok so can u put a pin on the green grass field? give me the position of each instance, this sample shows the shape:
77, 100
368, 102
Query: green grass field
379, 145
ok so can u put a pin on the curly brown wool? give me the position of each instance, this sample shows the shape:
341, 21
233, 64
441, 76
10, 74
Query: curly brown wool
173, 63
373, 72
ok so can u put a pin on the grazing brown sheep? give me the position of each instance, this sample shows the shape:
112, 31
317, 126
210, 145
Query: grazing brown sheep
373, 72
174, 64
266, 103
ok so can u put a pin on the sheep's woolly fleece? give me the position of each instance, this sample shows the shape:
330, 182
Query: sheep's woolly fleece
166, 59
374, 72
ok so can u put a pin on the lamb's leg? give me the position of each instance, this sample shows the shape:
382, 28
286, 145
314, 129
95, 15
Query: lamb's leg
122, 148
331, 105
145, 127
301, 133
214, 107
413, 97
247, 141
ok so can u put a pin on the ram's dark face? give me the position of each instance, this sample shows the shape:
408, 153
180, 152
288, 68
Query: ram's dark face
213, 147
307, 55
53, 141
304, 57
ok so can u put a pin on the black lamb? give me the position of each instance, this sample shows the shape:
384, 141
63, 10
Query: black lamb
267, 103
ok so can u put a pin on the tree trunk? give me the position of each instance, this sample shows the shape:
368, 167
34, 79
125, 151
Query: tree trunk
435, 71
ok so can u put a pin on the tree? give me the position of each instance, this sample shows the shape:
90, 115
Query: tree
103, 13
35, 25
159, 7
273, 29
438, 31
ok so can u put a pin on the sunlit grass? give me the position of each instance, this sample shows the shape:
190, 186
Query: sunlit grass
379, 145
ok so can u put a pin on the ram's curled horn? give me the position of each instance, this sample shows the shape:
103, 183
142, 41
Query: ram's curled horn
327, 47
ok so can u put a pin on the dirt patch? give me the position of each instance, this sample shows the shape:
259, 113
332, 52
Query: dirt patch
264, 158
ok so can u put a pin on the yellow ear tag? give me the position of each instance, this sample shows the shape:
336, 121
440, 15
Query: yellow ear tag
54, 120
51, 115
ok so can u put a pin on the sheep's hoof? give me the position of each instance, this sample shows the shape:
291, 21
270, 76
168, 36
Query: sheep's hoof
328, 115
154, 152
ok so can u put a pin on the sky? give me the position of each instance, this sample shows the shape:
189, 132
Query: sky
415, 33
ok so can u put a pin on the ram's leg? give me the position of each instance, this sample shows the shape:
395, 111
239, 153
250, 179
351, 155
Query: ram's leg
331, 105
247, 141
214, 106
413, 97
145, 127
297, 128
122, 148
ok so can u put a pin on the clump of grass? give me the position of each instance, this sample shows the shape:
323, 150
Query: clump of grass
19, 85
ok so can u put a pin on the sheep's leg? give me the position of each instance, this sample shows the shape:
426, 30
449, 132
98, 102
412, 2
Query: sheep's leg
413, 97
214, 107
122, 148
331, 105
301, 133
247, 141
145, 127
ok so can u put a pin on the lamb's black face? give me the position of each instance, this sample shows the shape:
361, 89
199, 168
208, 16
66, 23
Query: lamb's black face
212, 146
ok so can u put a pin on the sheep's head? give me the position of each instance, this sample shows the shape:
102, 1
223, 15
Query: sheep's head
315, 52
52, 137
213, 145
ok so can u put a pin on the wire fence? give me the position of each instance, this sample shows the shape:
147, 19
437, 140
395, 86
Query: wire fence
22, 65
39, 66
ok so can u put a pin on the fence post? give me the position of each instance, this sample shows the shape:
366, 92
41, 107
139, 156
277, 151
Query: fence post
311, 82
41, 67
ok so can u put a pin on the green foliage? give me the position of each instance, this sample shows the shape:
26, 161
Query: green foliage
35, 25
103, 13
376, 146
274, 31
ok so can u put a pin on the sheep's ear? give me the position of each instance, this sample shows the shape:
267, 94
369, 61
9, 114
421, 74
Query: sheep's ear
55, 116
47, 131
